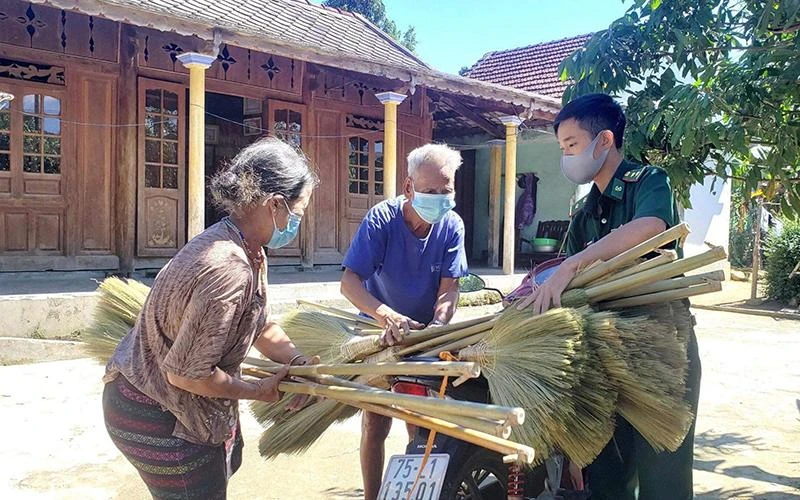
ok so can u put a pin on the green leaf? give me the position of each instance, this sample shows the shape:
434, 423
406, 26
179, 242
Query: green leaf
654, 4
667, 80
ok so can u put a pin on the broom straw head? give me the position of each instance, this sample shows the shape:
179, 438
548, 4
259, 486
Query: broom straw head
320, 334
118, 305
647, 363
540, 362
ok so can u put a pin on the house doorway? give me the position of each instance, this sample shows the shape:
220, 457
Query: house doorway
465, 196
226, 135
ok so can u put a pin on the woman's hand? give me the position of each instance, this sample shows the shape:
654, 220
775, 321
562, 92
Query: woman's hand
395, 325
267, 388
549, 293
300, 401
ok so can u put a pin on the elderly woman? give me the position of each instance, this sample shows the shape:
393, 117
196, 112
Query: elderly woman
173, 384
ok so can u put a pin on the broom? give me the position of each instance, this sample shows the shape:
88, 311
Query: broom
647, 362
543, 362
578, 297
616, 263
118, 305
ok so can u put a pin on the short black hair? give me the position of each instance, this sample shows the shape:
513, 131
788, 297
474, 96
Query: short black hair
595, 113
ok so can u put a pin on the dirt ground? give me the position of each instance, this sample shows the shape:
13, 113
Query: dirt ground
747, 439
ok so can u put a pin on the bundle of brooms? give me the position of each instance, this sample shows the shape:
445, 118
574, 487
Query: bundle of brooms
571, 369
483, 424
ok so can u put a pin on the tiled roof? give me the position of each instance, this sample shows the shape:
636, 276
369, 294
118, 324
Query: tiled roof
302, 30
295, 22
533, 68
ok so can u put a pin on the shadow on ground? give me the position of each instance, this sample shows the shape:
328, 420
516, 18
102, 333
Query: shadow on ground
737, 493
710, 443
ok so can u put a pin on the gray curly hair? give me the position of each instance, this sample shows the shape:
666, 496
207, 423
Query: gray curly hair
263, 169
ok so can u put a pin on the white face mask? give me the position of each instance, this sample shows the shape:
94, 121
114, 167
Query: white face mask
582, 168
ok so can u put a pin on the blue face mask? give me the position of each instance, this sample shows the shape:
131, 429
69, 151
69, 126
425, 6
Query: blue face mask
432, 207
281, 238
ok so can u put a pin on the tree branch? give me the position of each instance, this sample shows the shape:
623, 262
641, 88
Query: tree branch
783, 31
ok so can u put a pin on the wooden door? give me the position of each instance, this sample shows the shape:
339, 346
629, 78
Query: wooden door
465, 196
364, 183
287, 121
161, 211
35, 149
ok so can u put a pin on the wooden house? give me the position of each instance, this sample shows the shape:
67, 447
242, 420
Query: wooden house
123, 108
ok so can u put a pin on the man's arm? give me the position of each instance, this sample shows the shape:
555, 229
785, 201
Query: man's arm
446, 301
395, 325
623, 238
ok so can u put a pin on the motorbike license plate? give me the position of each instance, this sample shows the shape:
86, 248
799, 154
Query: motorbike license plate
402, 472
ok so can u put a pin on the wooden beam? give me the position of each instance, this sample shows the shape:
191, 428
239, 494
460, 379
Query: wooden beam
495, 178
511, 123
126, 164
496, 131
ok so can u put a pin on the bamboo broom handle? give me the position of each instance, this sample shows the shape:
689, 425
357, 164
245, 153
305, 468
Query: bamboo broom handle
661, 297
495, 428
657, 241
665, 257
429, 333
673, 284
340, 312
494, 443
440, 368
613, 288
449, 337
424, 404
457, 344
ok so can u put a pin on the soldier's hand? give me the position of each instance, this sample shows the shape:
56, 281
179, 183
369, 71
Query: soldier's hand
548, 294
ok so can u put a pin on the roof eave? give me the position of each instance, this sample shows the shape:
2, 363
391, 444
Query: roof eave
539, 106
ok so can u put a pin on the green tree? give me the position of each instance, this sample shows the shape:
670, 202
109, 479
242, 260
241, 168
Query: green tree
375, 12
710, 86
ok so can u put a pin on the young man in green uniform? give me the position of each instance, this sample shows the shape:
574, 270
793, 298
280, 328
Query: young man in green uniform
627, 204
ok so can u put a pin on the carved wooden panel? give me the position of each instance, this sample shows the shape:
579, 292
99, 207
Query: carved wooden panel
36, 26
162, 173
95, 152
31, 72
160, 222
160, 50
235, 64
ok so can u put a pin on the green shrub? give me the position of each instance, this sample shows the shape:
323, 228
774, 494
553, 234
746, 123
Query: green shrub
741, 239
782, 254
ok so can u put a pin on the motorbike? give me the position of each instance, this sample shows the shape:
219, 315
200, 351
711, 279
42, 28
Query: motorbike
457, 470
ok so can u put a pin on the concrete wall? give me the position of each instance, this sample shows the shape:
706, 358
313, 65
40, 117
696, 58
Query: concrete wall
709, 218
539, 154
55, 315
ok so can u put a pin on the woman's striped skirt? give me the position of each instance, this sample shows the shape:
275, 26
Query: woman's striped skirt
172, 468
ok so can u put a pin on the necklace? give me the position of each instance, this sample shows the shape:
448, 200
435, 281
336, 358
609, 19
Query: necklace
255, 256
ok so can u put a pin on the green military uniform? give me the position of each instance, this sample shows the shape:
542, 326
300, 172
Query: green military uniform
628, 468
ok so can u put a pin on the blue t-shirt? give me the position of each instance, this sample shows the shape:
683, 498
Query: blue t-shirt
400, 269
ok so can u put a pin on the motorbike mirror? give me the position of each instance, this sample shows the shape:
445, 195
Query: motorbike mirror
471, 283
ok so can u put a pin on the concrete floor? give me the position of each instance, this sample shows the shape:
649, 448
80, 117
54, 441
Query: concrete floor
56, 447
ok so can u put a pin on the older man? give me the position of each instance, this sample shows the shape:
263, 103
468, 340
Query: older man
402, 269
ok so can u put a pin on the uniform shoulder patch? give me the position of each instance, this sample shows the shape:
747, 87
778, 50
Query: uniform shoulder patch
578, 205
634, 175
